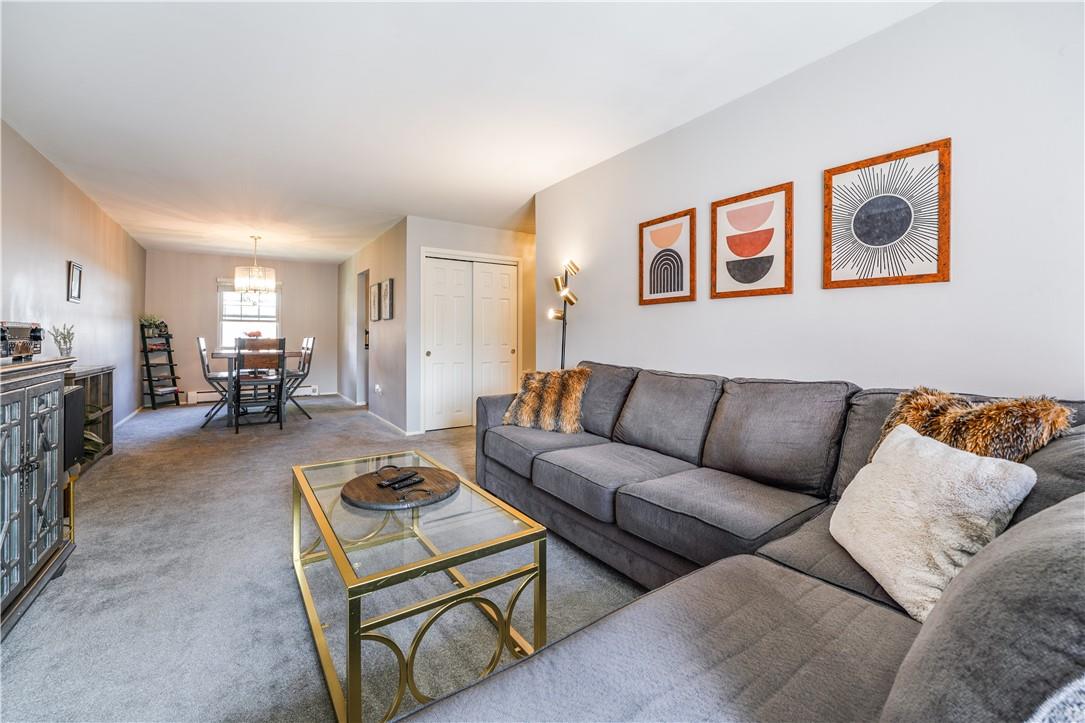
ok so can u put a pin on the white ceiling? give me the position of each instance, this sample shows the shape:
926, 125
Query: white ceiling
319, 125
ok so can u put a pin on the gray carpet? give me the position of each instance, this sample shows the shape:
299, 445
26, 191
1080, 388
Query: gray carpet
180, 602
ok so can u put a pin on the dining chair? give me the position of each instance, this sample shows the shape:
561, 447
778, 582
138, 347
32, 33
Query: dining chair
296, 377
218, 381
260, 378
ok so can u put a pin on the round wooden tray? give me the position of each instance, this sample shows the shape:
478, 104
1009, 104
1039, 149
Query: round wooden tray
362, 491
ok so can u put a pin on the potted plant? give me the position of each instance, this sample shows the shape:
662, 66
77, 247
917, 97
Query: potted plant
63, 338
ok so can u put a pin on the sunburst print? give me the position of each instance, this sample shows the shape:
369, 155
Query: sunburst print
886, 219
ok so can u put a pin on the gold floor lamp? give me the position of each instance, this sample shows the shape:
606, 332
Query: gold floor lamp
568, 298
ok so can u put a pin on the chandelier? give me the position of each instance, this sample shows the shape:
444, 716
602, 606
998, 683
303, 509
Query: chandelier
254, 278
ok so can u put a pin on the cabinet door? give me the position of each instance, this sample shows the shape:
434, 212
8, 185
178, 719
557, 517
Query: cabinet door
42, 501
12, 568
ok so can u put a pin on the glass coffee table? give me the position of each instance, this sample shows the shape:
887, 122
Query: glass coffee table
375, 554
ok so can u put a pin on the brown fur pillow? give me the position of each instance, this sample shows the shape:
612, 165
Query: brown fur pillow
550, 400
1005, 428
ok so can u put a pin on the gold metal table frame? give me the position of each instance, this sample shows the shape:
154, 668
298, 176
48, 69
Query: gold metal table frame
348, 706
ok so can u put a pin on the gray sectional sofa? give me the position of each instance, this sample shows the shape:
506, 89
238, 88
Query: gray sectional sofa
734, 481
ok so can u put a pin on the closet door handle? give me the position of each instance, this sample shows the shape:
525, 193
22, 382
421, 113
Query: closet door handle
429, 353
512, 351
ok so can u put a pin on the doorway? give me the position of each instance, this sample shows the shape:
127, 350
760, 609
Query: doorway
361, 379
470, 334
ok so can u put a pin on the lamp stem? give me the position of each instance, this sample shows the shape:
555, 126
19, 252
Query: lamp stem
564, 321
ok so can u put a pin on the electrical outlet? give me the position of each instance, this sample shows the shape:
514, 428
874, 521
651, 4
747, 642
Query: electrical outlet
378, 390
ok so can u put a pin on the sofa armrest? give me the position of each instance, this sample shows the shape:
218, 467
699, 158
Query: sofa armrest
489, 411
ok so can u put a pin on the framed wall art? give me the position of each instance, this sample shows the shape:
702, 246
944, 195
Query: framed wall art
375, 302
75, 282
386, 299
751, 243
887, 219
667, 248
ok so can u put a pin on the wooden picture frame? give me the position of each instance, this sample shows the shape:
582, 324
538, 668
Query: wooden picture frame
675, 262
753, 241
75, 282
374, 302
908, 231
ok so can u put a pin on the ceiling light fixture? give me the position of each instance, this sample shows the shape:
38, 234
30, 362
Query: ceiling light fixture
254, 278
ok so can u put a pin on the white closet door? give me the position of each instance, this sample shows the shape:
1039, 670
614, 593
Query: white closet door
495, 314
446, 343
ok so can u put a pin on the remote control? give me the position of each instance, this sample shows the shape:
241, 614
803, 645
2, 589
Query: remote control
408, 483
393, 481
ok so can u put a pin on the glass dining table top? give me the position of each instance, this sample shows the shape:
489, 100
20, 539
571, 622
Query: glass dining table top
378, 546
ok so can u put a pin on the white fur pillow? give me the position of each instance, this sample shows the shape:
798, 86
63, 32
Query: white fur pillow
921, 509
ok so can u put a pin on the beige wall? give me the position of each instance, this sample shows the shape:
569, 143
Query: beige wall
384, 258
47, 221
431, 233
182, 288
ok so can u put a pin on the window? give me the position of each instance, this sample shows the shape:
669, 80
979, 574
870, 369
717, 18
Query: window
246, 312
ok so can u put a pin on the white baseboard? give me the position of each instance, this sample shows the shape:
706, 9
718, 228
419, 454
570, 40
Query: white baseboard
138, 410
208, 396
348, 400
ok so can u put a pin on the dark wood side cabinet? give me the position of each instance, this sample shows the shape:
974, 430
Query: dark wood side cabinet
35, 543
97, 383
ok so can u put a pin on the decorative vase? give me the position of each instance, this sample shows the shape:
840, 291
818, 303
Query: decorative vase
65, 349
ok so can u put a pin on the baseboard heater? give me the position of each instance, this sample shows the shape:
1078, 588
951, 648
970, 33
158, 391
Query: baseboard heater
206, 396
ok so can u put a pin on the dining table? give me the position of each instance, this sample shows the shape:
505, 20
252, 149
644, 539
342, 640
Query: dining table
231, 355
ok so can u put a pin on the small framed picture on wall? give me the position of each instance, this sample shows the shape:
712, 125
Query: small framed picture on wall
386, 299
887, 219
75, 282
375, 302
667, 247
751, 243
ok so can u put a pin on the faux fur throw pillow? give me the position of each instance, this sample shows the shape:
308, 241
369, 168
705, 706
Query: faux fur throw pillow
550, 400
918, 513
1005, 428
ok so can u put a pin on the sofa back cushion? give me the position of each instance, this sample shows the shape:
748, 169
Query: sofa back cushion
782, 433
1007, 632
608, 387
669, 413
1060, 473
866, 415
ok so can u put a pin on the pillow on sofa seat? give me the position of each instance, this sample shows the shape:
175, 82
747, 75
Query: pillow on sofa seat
669, 413
588, 477
549, 400
783, 433
705, 515
744, 639
608, 387
517, 447
916, 514
1007, 633
1060, 474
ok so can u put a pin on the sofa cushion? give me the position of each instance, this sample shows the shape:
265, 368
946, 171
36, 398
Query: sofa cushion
588, 477
813, 551
866, 415
608, 387
1007, 633
669, 413
1060, 473
517, 447
742, 640
782, 433
705, 515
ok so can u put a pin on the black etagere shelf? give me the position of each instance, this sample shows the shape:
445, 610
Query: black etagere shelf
159, 370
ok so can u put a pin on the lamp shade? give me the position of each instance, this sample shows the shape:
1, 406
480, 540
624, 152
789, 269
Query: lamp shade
254, 278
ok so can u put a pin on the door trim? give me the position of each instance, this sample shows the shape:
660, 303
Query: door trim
458, 255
